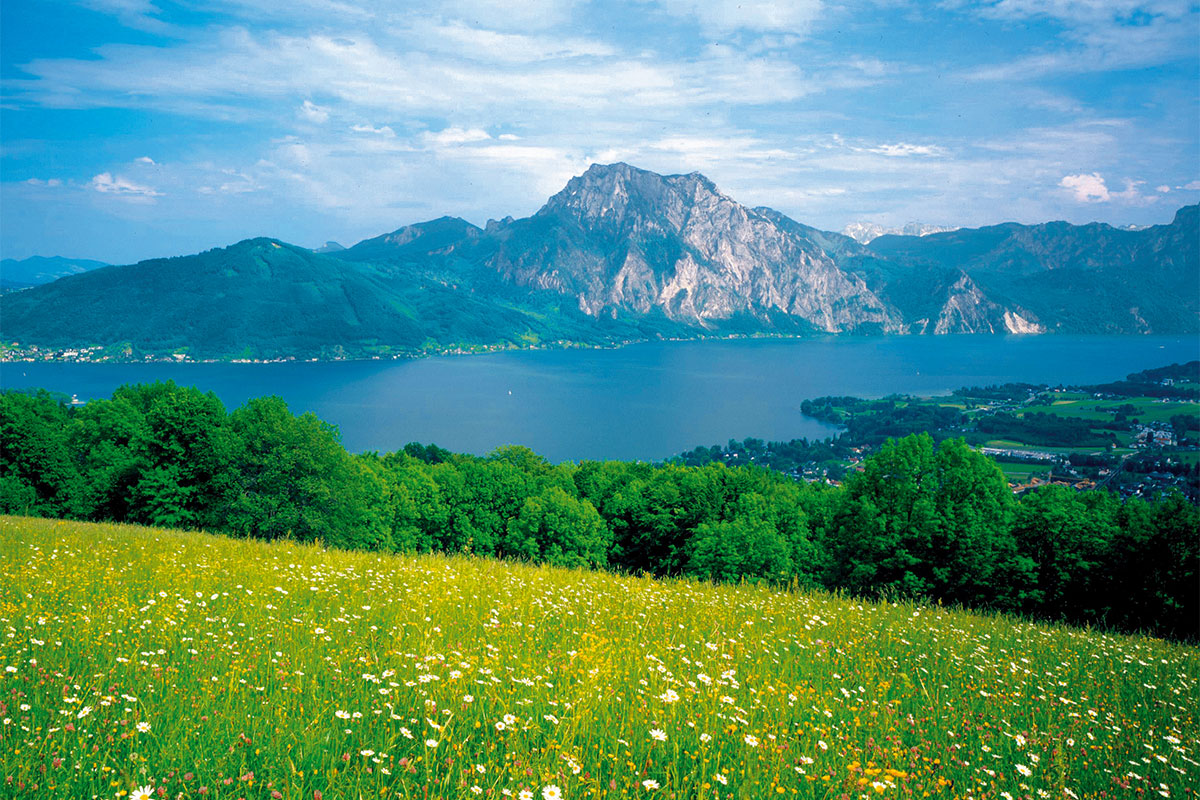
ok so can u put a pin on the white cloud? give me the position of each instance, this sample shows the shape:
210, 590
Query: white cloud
455, 136
51, 183
480, 44
237, 182
1191, 186
505, 14
904, 149
239, 74
1084, 11
1089, 188
382, 130
1097, 35
107, 183
545, 168
1131, 193
138, 14
145, 160
728, 16
313, 112
696, 152
1163, 189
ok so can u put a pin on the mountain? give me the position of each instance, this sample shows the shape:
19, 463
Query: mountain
36, 270
330, 247
1073, 278
625, 244
624, 240
620, 254
264, 299
865, 232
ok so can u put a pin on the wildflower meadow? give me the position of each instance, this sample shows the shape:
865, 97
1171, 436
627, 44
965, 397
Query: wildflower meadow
146, 663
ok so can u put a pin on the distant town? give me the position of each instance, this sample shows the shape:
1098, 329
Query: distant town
1136, 437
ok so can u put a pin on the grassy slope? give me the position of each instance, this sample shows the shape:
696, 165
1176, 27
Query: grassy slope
239, 656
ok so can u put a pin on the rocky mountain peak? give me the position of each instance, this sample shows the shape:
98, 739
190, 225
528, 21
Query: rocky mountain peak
621, 196
867, 232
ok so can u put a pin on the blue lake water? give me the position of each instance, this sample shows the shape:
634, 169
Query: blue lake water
645, 401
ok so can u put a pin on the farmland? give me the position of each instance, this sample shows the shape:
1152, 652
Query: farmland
203, 666
1137, 437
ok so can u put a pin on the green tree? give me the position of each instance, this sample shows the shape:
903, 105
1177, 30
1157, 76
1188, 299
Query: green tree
923, 522
1149, 571
294, 479
882, 534
182, 455
417, 510
749, 545
973, 554
38, 475
556, 528
104, 437
1067, 534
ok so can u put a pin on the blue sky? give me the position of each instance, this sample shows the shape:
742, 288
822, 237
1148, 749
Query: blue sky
141, 128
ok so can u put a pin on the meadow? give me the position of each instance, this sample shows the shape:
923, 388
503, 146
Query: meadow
140, 662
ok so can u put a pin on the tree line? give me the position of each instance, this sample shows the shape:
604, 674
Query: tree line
921, 518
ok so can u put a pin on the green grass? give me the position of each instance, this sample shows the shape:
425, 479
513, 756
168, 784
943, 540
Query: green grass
1149, 409
1019, 471
1037, 448
133, 657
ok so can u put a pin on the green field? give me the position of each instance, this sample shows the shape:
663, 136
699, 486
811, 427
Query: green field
1019, 471
1085, 406
201, 666
1062, 451
1188, 457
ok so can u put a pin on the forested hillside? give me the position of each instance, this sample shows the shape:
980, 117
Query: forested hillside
265, 299
919, 520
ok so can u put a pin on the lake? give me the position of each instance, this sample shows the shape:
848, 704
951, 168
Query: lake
644, 401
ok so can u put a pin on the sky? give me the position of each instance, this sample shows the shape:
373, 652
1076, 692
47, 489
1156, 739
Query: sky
133, 129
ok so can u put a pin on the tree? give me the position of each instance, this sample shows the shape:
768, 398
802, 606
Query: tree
1149, 572
104, 436
556, 528
182, 455
37, 474
648, 522
883, 532
973, 555
749, 545
294, 479
1066, 535
417, 510
924, 522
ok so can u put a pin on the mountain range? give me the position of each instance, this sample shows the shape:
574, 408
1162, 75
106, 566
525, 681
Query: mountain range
620, 254
864, 232
36, 270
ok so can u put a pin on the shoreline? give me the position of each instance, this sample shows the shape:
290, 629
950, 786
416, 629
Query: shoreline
96, 354
70, 355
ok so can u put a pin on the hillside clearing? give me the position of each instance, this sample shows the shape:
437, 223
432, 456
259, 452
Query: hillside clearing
203, 666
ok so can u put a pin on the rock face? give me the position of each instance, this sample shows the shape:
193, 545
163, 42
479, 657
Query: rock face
619, 239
